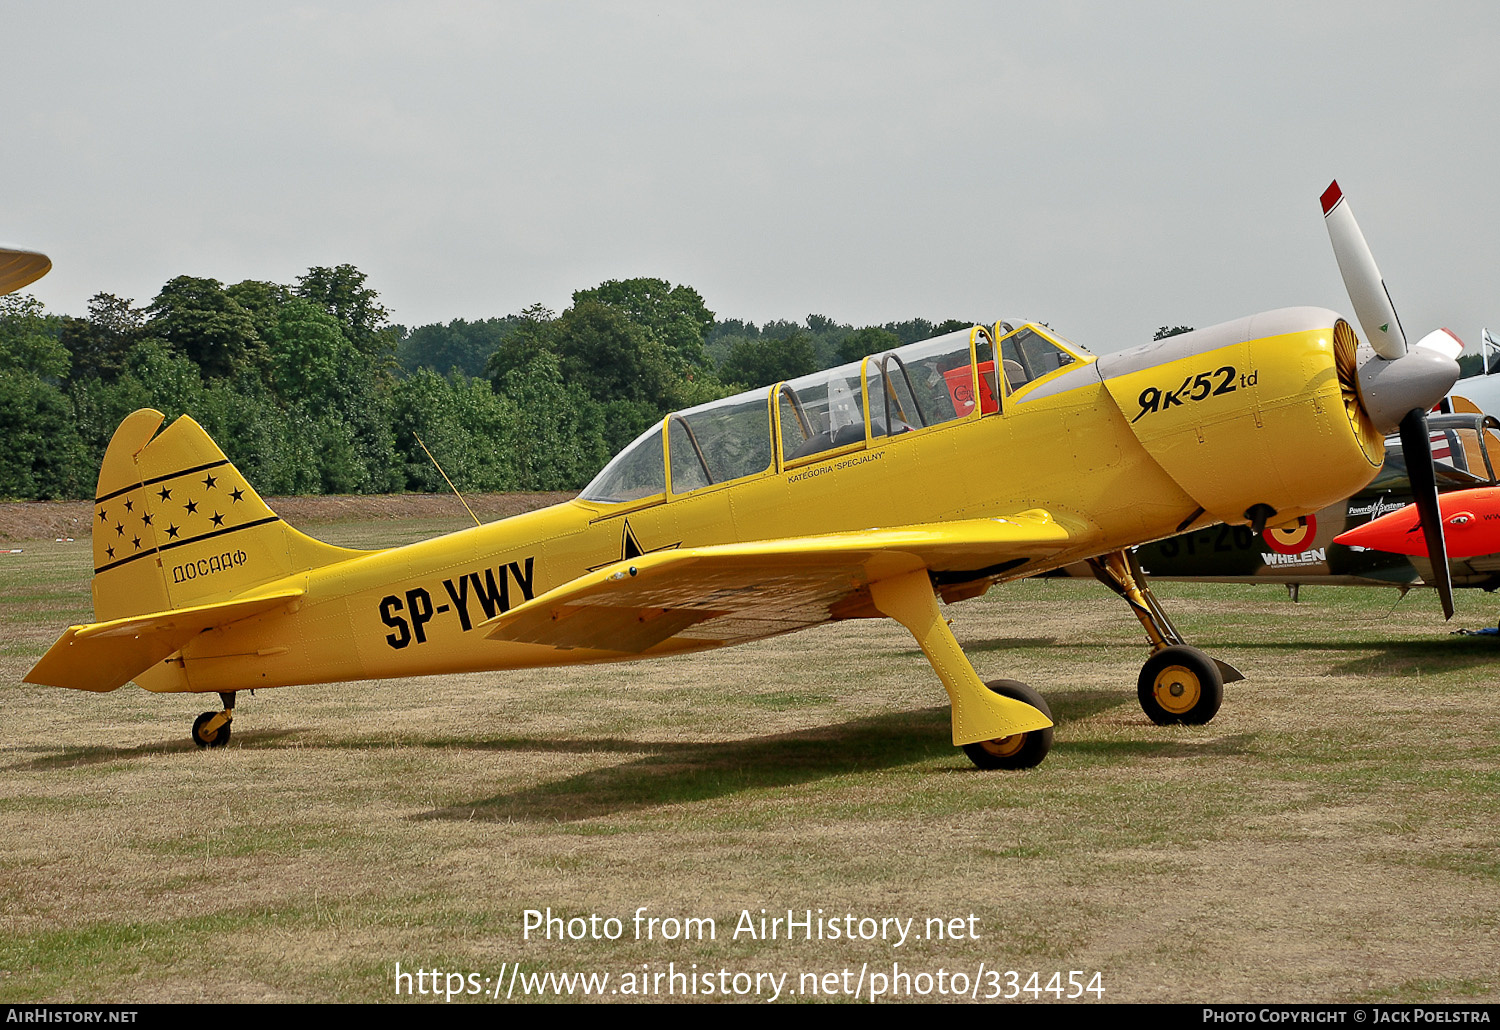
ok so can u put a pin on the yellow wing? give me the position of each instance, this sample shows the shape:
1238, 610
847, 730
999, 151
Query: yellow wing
700, 597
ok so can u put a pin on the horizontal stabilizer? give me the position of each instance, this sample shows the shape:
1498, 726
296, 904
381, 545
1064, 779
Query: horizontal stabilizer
710, 596
106, 655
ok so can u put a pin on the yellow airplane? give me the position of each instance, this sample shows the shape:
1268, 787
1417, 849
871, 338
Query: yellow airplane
930, 471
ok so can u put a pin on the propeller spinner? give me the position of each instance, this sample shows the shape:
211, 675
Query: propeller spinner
1398, 383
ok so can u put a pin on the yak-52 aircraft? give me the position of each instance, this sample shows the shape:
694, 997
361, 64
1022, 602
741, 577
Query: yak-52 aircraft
931, 471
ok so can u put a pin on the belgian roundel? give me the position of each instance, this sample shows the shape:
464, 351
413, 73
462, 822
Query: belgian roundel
1292, 539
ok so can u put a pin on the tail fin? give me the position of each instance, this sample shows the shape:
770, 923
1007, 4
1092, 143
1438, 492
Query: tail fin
181, 544
176, 525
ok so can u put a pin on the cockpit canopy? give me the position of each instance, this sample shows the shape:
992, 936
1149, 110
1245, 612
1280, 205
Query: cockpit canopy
1465, 446
904, 390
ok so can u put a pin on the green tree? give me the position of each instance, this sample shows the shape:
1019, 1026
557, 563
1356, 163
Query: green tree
532, 333
764, 362
43, 456
99, 344
675, 316
172, 382
464, 346
343, 293
279, 449
310, 358
196, 317
1173, 330
29, 338
869, 340
467, 427
613, 357
559, 442
262, 301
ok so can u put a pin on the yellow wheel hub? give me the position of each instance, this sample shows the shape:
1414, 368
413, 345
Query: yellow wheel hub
1004, 747
1177, 689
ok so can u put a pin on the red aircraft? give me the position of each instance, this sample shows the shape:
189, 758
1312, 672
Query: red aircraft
1470, 520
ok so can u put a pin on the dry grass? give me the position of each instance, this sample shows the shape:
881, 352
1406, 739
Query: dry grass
1329, 837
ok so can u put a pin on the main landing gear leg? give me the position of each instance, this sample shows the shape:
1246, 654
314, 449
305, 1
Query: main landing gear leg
1000, 725
211, 729
1178, 683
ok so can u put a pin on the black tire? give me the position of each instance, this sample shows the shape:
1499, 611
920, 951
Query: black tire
1180, 685
219, 739
1020, 750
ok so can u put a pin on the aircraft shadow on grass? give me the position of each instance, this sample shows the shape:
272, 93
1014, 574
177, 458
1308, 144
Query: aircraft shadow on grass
1384, 657
71, 757
1108, 751
672, 772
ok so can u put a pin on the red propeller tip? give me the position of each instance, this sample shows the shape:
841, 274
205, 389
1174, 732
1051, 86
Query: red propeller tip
1331, 196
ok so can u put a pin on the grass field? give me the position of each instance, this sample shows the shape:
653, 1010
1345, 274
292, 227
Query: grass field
1330, 837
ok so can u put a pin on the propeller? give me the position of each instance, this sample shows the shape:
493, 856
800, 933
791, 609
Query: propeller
1399, 383
1416, 446
20, 268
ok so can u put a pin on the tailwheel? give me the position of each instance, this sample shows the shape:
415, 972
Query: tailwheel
1019, 750
211, 729
1180, 684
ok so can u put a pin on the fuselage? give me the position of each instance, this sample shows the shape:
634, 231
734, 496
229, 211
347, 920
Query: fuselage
1120, 450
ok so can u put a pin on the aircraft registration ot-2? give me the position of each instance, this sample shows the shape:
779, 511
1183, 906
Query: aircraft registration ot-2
933, 470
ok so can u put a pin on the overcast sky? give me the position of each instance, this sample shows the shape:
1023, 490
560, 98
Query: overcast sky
1105, 167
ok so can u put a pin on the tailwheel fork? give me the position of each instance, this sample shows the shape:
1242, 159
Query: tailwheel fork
211, 729
1178, 683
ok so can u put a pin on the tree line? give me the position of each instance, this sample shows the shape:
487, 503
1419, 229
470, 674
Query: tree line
310, 388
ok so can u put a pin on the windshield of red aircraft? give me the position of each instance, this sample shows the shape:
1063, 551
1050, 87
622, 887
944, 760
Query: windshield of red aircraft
913, 387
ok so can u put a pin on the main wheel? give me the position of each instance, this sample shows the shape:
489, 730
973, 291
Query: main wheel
220, 737
1019, 750
1180, 685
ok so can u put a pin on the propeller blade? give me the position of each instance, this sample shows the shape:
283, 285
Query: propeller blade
1416, 445
20, 268
1444, 341
1362, 281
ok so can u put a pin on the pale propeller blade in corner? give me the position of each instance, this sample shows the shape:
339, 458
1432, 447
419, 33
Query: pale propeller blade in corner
1362, 281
